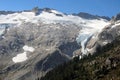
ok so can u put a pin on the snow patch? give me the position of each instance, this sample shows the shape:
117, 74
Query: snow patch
23, 56
20, 57
27, 48
56, 12
105, 42
1, 31
117, 24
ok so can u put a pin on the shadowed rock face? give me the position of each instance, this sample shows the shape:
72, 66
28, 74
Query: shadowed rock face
69, 48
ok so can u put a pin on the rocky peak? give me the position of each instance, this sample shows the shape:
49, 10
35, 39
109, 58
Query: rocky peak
116, 18
90, 16
6, 12
36, 10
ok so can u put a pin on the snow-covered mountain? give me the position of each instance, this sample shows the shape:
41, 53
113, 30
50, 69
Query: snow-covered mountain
34, 42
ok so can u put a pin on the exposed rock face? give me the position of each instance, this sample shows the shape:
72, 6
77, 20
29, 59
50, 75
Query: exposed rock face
52, 46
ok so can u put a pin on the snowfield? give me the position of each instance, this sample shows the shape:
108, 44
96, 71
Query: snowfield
46, 17
21, 57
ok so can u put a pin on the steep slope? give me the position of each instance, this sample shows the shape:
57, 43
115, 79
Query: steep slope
34, 42
104, 65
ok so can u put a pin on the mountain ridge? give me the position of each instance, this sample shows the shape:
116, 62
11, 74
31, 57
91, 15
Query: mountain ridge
81, 14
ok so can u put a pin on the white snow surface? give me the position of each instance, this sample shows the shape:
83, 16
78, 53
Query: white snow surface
46, 17
21, 57
56, 12
27, 48
117, 24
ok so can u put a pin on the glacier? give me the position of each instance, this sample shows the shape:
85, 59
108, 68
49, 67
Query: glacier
88, 27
